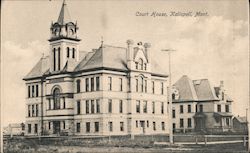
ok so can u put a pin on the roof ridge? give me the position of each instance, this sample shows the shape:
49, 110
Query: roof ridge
105, 45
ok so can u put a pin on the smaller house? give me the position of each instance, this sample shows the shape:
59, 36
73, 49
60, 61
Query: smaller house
240, 124
14, 129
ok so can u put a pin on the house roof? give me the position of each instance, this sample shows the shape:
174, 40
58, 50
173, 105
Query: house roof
241, 119
194, 90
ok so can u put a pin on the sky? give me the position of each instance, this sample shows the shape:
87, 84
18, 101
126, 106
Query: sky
214, 46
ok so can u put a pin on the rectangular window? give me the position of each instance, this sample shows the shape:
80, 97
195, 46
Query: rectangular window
121, 126
96, 126
173, 113
137, 84
227, 108
87, 106
63, 122
154, 126
121, 87
227, 121
64, 103
87, 127
181, 109
97, 106
78, 127
145, 86
189, 122
92, 107
33, 111
36, 109
153, 87
78, 107
137, 106
110, 83
49, 125
110, 126
97, 83
37, 90
29, 91
162, 107
189, 109
92, 84
136, 124
162, 88
147, 123
78, 86
196, 108
145, 107
218, 108
35, 128
87, 84
33, 91
181, 123
121, 106
163, 126
28, 110
110, 106
153, 107
201, 108
29, 128
49, 104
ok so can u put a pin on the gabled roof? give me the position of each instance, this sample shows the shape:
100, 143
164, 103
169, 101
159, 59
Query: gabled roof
241, 119
64, 16
194, 90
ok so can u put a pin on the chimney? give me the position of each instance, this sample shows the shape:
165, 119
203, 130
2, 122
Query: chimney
147, 46
130, 50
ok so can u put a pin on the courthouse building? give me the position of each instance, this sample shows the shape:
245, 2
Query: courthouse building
197, 106
107, 91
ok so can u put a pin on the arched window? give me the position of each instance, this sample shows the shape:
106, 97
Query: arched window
56, 98
78, 86
54, 61
141, 83
59, 56
67, 52
73, 53
140, 64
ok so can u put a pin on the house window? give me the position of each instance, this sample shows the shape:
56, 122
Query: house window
153, 107
78, 127
163, 126
78, 86
196, 108
64, 103
87, 84
189, 109
145, 66
147, 123
136, 124
97, 106
141, 84
97, 83
136, 65
33, 111
56, 98
29, 91
121, 106
137, 85
227, 121
181, 109
110, 126
140, 64
28, 110
222, 96
173, 113
36, 109
54, 55
227, 108
64, 126
49, 125
154, 126
110, 83
110, 106
153, 87
121, 126
67, 52
121, 84
162, 107
37, 90
218, 108
92, 84
145, 86
144, 106
181, 123
33, 91
73, 53
59, 57
162, 88
189, 122
137, 106
174, 126
201, 108
96, 126
87, 106
35, 128
92, 106
78, 107
29, 128
87, 127
173, 96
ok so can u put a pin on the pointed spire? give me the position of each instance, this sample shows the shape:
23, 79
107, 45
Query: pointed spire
64, 16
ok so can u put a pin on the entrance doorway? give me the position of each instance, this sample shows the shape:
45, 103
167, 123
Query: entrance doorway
143, 126
56, 127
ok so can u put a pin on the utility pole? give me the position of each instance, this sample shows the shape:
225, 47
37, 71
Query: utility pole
170, 97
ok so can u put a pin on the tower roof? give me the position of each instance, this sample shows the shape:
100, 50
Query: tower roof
64, 16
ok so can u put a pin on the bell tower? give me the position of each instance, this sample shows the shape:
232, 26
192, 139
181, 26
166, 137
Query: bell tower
63, 41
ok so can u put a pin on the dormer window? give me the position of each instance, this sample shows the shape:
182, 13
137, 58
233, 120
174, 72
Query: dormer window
140, 64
